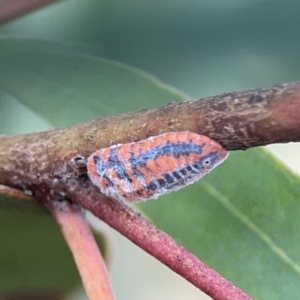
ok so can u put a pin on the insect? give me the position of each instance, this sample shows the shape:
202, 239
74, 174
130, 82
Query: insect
154, 166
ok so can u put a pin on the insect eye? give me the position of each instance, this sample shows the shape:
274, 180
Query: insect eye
207, 162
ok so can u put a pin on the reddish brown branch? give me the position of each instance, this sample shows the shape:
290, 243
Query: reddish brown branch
83, 246
237, 121
158, 244
12, 9
14, 193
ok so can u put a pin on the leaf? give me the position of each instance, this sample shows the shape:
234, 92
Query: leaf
242, 219
67, 88
34, 257
47, 78
25, 260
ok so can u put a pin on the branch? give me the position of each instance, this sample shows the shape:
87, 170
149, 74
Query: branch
12, 9
160, 245
83, 246
51, 164
14, 193
237, 121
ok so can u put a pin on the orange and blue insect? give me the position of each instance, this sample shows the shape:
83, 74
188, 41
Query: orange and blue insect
153, 166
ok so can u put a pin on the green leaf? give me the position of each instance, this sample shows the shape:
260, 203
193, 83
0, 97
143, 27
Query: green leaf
242, 219
67, 88
25, 260
34, 257
63, 88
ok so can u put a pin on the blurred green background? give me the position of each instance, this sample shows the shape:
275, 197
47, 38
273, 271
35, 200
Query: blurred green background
200, 48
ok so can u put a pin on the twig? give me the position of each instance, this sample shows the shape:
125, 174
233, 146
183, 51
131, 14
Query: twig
52, 164
160, 245
14, 193
12, 9
87, 256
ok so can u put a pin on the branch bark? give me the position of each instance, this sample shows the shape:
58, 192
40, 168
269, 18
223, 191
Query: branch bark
238, 121
51, 164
